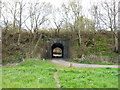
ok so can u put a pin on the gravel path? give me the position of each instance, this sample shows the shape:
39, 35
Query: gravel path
67, 64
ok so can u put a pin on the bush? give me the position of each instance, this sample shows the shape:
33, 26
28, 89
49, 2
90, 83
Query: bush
12, 59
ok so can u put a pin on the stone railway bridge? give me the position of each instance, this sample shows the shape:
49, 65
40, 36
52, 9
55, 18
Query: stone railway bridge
60, 43
64, 46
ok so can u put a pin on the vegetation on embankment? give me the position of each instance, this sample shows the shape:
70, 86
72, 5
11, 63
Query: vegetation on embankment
35, 73
96, 46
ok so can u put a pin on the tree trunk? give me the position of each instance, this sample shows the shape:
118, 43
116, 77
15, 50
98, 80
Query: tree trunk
119, 42
79, 35
116, 42
19, 35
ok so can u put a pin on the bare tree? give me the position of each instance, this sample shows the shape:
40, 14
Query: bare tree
111, 16
57, 19
76, 9
95, 13
4, 16
106, 18
15, 11
38, 15
12, 7
21, 8
66, 15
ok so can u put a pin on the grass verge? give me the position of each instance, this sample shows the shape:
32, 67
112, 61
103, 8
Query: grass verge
35, 73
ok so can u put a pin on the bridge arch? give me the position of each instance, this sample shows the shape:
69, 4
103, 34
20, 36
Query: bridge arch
58, 48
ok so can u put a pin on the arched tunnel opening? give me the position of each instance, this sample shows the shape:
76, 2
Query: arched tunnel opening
57, 50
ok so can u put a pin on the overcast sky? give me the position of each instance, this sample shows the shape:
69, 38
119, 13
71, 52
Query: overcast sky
86, 4
57, 3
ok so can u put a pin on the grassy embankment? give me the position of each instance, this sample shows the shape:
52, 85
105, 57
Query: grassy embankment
96, 46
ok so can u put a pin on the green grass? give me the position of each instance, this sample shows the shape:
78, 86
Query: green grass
0, 78
40, 74
30, 74
89, 78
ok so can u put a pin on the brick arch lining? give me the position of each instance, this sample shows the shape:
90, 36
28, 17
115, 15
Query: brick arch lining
59, 45
63, 44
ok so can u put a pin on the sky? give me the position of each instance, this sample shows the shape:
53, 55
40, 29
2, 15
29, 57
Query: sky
86, 4
57, 3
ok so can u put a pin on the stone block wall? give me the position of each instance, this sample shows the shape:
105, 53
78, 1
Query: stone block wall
64, 43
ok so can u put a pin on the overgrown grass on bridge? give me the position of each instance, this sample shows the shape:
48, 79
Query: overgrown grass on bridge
40, 74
